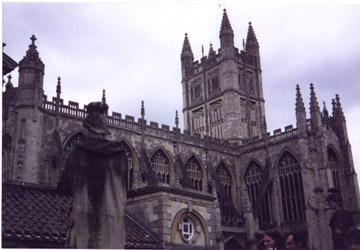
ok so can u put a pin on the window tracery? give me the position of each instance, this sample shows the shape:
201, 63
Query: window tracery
292, 194
193, 170
334, 168
70, 144
253, 178
161, 167
224, 176
131, 162
216, 120
199, 121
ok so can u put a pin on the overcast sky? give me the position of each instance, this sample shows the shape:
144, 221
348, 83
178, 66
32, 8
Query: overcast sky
133, 52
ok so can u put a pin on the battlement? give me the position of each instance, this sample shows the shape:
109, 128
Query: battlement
116, 120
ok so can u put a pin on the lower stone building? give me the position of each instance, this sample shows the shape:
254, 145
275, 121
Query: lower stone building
219, 184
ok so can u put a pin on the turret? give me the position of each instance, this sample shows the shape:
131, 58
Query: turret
252, 46
31, 75
315, 115
300, 113
226, 36
187, 58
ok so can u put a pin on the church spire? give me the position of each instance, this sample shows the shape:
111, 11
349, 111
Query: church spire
226, 32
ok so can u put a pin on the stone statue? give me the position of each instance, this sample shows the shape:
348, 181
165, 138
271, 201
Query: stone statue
95, 177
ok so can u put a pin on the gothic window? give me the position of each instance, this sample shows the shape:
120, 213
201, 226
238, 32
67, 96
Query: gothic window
244, 121
213, 83
6, 152
292, 194
70, 144
193, 170
334, 168
224, 176
161, 166
216, 120
196, 91
253, 178
198, 121
240, 76
131, 163
254, 130
251, 81
187, 228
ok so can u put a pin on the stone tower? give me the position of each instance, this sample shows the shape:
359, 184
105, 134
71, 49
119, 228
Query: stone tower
223, 94
28, 117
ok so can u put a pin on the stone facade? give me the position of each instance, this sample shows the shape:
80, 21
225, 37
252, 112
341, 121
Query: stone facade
222, 181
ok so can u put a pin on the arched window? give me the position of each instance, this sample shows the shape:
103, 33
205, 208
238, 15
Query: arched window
253, 178
225, 178
193, 170
71, 142
6, 153
292, 194
161, 166
334, 167
131, 161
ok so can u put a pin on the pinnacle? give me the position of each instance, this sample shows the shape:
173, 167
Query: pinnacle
225, 23
186, 45
251, 37
314, 106
299, 101
58, 87
211, 50
103, 97
32, 56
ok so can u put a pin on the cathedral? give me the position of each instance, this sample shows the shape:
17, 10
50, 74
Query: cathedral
219, 184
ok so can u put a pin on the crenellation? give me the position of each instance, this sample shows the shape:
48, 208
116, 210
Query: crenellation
154, 124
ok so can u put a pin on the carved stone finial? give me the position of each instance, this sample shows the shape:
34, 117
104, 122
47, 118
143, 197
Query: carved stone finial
58, 87
142, 110
103, 97
33, 39
9, 84
176, 119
